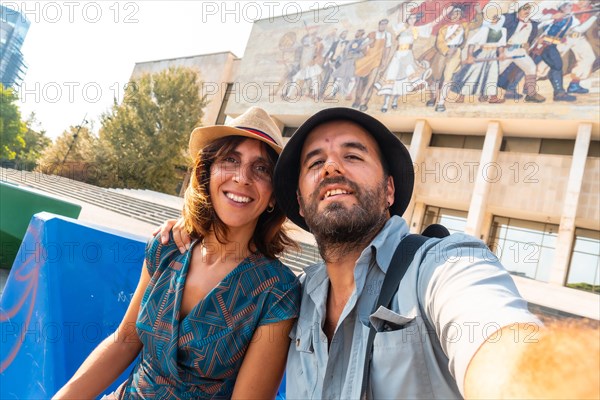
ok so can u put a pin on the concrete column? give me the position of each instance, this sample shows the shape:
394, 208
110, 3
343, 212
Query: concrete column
489, 154
418, 145
566, 230
486, 226
415, 224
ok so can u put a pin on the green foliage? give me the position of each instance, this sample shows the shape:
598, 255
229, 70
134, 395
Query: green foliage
588, 287
36, 142
12, 128
71, 155
143, 140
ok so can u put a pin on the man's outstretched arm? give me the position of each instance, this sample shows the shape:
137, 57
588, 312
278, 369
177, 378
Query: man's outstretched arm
561, 361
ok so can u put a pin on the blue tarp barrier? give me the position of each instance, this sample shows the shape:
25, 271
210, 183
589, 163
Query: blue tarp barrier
68, 289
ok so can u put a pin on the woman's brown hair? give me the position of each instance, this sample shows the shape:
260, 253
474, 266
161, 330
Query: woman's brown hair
200, 217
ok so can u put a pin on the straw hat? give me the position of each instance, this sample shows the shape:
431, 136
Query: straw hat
255, 123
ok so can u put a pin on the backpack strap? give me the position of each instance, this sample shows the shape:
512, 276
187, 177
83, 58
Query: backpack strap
403, 256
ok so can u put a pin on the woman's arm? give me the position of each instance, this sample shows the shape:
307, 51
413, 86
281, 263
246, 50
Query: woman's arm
111, 357
264, 363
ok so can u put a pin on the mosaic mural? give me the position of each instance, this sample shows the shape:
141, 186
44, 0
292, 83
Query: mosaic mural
443, 55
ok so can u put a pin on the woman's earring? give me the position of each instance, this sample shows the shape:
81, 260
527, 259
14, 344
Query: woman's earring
271, 208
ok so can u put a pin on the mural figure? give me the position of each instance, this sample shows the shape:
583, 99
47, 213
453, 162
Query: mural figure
287, 50
521, 40
577, 42
446, 54
479, 74
521, 33
404, 74
333, 60
344, 76
555, 26
368, 67
308, 66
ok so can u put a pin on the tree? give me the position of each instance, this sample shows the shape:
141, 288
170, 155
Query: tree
36, 142
12, 128
144, 139
72, 155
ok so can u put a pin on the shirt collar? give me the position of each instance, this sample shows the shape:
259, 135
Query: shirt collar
385, 243
383, 246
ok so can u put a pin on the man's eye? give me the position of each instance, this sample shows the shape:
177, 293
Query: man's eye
315, 164
353, 157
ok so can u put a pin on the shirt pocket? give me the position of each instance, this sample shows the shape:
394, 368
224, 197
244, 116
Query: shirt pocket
398, 368
302, 367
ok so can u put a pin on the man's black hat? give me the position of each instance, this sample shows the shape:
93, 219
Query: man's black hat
398, 159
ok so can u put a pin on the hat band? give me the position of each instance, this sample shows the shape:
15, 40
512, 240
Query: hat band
259, 133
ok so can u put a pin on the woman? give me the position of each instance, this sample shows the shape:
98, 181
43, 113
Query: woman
212, 322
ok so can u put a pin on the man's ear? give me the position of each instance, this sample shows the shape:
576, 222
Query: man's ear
391, 190
300, 208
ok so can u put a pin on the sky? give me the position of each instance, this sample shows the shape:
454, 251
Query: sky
80, 54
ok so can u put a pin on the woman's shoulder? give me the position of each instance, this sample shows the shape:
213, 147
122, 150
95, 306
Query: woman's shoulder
156, 251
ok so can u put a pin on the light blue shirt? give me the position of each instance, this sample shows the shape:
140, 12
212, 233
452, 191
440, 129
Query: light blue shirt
455, 294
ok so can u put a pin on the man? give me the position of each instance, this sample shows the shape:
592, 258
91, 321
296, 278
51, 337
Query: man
457, 325
352, 179
368, 67
521, 31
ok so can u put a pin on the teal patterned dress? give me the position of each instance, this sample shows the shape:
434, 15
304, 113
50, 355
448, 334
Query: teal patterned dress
200, 356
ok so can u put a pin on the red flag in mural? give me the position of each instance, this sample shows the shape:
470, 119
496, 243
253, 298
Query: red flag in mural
429, 10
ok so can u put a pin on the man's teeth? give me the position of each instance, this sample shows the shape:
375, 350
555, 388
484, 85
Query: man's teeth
335, 192
238, 199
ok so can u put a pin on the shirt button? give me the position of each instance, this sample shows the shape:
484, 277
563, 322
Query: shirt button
298, 342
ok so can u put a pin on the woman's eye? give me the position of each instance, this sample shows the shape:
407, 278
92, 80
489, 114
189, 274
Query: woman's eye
229, 162
263, 169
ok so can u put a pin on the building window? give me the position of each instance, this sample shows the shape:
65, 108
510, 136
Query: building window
594, 150
563, 147
525, 248
457, 141
557, 146
584, 270
453, 220
521, 145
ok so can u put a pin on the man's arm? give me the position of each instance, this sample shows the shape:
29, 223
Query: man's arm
561, 361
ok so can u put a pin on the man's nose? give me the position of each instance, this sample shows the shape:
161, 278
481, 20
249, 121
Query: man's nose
331, 168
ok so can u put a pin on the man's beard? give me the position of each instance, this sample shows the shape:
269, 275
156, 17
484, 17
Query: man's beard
339, 229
